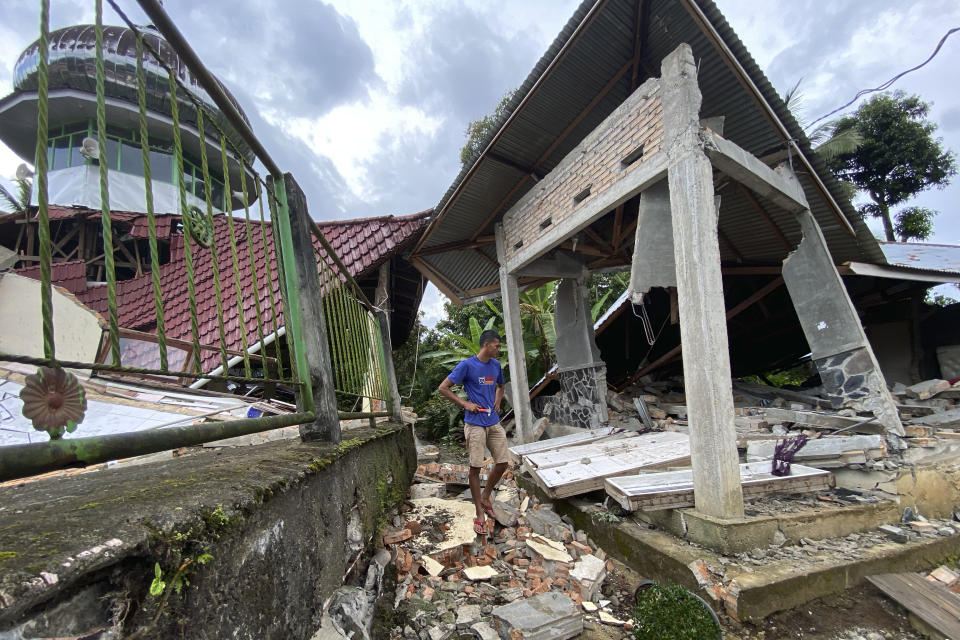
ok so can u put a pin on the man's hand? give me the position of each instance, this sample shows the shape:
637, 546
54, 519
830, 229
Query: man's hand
472, 407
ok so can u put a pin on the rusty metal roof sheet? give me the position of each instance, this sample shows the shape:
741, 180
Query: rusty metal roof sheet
926, 257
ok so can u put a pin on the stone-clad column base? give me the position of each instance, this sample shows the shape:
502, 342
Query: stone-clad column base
582, 400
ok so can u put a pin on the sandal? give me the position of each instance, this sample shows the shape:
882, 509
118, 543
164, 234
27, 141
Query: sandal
488, 508
480, 527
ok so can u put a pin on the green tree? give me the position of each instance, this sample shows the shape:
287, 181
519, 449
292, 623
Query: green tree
477, 130
898, 158
18, 202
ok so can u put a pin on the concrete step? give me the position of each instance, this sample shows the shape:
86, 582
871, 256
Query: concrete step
754, 592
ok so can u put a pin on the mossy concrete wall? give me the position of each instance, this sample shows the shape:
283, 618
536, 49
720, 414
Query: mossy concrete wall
262, 534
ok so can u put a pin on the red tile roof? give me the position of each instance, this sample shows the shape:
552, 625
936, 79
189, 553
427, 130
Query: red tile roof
69, 275
362, 245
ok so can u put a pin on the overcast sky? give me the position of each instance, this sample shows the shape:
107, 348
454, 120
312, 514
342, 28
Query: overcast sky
366, 101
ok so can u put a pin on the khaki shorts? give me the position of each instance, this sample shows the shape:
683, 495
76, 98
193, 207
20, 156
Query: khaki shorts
492, 437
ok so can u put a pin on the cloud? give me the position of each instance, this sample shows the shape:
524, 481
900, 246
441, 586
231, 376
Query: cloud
463, 65
304, 59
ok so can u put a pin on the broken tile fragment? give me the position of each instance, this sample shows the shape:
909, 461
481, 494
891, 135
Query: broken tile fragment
432, 566
479, 573
606, 618
548, 552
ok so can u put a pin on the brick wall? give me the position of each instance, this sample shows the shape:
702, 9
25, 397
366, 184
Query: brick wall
597, 163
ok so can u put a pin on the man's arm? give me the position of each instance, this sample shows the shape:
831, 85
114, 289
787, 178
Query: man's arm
446, 390
498, 398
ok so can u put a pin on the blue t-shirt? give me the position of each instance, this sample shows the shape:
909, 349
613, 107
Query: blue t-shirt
480, 380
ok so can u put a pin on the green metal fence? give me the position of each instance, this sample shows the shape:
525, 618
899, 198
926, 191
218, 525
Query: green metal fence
357, 348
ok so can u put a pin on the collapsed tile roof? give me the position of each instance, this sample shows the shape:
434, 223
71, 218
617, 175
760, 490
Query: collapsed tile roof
362, 244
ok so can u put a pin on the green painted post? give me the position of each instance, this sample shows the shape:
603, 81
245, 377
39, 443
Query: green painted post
306, 328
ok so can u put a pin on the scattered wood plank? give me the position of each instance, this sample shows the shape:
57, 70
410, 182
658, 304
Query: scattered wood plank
674, 490
822, 450
571, 440
819, 419
935, 605
587, 472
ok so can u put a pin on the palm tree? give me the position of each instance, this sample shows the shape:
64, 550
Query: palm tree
19, 203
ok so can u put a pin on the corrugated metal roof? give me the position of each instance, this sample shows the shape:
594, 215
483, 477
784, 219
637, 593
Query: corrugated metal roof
591, 50
926, 257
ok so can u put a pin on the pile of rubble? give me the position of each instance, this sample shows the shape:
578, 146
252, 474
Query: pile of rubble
930, 412
536, 576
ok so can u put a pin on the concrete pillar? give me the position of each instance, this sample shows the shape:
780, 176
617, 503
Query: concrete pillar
519, 390
581, 372
653, 264
841, 351
313, 326
703, 325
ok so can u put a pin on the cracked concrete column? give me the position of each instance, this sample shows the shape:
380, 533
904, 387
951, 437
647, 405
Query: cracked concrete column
840, 348
703, 325
653, 243
519, 391
582, 374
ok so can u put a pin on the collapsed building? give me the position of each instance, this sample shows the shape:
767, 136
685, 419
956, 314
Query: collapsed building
646, 137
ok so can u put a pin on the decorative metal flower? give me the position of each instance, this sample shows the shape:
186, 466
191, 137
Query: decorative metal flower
198, 226
54, 401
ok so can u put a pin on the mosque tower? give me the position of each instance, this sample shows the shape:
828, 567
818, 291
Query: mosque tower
74, 174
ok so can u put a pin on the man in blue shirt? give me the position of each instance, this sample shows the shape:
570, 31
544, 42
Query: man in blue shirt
482, 379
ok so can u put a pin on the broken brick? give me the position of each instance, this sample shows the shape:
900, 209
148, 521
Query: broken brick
393, 537
413, 527
521, 562
428, 593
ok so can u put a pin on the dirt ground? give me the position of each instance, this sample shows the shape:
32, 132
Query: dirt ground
853, 615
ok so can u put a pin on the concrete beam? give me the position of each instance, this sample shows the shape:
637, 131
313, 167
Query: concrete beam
703, 327
633, 183
781, 188
555, 267
653, 261
509, 293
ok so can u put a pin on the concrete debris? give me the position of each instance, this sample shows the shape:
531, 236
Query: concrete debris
927, 389
449, 579
895, 533
548, 616
484, 631
468, 615
589, 571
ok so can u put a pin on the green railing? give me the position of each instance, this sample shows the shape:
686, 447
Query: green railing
336, 355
